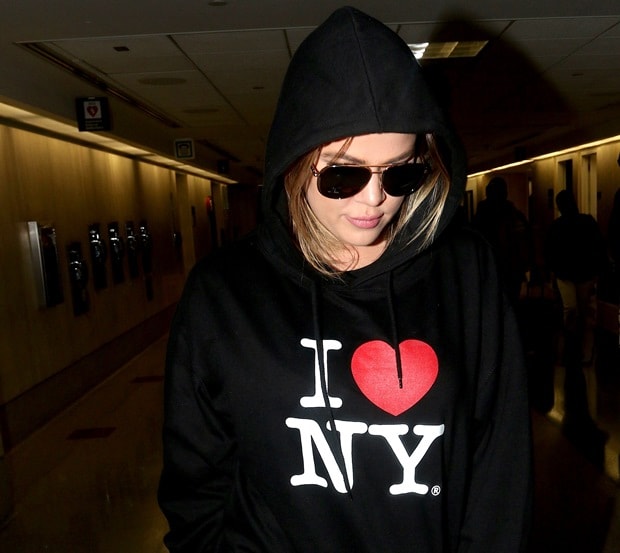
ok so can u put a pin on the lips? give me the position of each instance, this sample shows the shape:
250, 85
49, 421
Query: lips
364, 222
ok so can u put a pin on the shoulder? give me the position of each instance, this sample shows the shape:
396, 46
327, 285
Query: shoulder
589, 219
217, 281
467, 263
224, 270
230, 260
466, 244
464, 235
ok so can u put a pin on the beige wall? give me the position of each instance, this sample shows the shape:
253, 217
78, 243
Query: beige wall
49, 180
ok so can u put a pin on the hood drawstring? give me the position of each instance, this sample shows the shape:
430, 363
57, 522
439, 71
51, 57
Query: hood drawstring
394, 329
332, 435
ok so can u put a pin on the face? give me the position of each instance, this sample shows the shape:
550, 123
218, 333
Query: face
360, 221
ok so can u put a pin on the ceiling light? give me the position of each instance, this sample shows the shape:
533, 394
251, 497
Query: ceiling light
454, 49
418, 49
557, 153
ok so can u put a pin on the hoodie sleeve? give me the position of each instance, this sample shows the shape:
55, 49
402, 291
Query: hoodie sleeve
497, 516
198, 451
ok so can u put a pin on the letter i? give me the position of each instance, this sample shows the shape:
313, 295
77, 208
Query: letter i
317, 399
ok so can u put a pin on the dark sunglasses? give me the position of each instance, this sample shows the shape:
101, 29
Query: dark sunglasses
344, 181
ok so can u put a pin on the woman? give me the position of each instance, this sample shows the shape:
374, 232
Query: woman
349, 379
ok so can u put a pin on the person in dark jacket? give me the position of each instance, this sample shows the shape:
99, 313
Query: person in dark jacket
350, 377
508, 231
575, 253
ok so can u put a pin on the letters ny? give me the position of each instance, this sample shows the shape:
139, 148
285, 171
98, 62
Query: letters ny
313, 439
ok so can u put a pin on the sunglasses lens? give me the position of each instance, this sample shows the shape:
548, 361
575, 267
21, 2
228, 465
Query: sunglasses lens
401, 180
342, 181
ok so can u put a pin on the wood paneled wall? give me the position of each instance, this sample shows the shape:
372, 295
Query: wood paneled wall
70, 186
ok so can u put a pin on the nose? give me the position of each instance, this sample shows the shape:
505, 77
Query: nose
372, 193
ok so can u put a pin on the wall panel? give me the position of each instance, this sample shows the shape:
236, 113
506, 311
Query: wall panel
68, 185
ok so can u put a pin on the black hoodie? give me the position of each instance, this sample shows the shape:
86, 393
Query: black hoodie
286, 429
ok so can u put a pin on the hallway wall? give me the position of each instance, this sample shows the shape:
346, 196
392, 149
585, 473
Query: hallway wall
69, 187
545, 181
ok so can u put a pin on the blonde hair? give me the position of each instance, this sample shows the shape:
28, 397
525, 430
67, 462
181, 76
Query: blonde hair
322, 249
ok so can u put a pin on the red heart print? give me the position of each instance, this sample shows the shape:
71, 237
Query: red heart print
92, 110
374, 370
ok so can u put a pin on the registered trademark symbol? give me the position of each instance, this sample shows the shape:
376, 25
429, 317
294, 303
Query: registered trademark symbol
436, 490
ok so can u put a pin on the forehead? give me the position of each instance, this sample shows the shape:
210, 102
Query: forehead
371, 148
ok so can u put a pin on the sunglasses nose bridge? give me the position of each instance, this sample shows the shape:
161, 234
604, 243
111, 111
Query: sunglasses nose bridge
378, 170
373, 188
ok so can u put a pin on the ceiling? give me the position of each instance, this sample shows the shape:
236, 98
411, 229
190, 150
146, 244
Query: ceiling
548, 78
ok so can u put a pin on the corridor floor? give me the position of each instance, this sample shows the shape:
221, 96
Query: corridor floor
86, 482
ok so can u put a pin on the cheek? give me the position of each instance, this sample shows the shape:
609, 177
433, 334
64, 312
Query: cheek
393, 204
321, 206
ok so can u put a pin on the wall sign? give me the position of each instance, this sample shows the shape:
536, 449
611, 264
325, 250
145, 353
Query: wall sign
93, 114
184, 148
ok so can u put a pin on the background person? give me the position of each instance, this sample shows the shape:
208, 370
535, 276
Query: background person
575, 253
508, 231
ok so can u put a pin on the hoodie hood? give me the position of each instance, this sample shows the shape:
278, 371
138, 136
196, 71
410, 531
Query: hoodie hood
352, 76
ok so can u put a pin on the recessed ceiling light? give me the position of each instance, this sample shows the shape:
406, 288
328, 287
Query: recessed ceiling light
418, 49
455, 49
